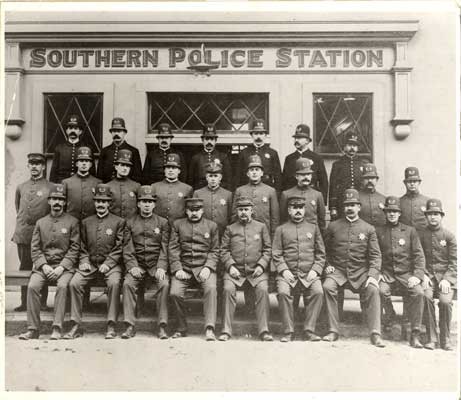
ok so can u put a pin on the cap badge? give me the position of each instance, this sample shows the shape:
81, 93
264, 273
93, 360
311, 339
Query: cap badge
361, 236
223, 202
349, 195
148, 190
109, 232
411, 172
156, 231
207, 235
309, 235
402, 242
64, 230
180, 194
102, 189
443, 243
264, 199
73, 119
39, 193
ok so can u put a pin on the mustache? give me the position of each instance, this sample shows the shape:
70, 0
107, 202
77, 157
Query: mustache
117, 137
259, 140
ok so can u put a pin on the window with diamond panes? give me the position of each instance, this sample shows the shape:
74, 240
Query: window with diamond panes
60, 106
337, 113
189, 112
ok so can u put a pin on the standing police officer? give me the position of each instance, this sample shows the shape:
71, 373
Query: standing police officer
413, 203
372, 202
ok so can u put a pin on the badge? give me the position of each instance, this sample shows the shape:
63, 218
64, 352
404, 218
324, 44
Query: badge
264, 199
309, 235
109, 232
93, 190
381, 206
401, 242
39, 193
313, 202
443, 243
207, 235
156, 231
131, 194
361, 236
223, 202
217, 161
180, 194
423, 209
64, 230
267, 155
361, 169
256, 237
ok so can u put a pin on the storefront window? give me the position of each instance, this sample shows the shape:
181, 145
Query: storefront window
337, 113
189, 112
59, 107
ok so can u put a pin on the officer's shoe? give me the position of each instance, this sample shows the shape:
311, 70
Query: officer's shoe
310, 336
55, 333
162, 332
429, 346
178, 334
330, 337
110, 333
287, 338
266, 337
129, 332
447, 345
74, 333
209, 334
224, 337
30, 334
376, 340
414, 340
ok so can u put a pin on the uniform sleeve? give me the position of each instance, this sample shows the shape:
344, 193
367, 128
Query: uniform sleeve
418, 259
227, 173
322, 178
38, 258
285, 174
162, 262
71, 257
54, 167
17, 199
174, 249
213, 255
116, 253
277, 251
84, 255
146, 171
333, 200
374, 255
319, 256
101, 164
451, 273
229, 207
129, 253
192, 173
226, 255
275, 212
265, 258
136, 173
277, 173
321, 214
283, 207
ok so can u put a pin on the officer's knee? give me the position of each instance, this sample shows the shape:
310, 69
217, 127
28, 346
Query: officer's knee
60, 286
228, 288
329, 287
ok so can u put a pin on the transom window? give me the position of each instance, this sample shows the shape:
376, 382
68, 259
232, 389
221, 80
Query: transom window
60, 106
189, 112
337, 113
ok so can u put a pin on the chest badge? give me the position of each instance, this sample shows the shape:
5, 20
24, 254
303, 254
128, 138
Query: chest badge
402, 242
181, 194
207, 235
313, 202
223, 202
131, 194
217, 161
443, 243
309, 235
264, 199
64, 231
39, 193
156, 231
423, 209
109, 232
256, 237
93, 190
267, 155
361, 236
381, 206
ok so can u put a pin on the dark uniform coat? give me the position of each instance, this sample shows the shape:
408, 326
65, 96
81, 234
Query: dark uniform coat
109, 154
170, 202
271, 163
197, 168
245, 246
217, 206
80, 191
193, 246
402, 254
124, 202
31, 201
315, 207
439, 247
345, 174
56, 241
353, 250
299, 248
153, 170
150, 238
266, 205
64, 159
413, 207
319, 176
371, 209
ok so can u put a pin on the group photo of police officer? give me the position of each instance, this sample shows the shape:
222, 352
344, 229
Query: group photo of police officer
166, 226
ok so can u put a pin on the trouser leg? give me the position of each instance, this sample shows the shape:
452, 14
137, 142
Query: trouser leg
161, 301
25, 264
77, 288
60, 298
129, 290
229, 303
415, 306
330, 290
210, 300
113, 295
429, 315
386, 300
445, 315
262, 306
285, 300
313, 302
177, 292
36, 283
372, 302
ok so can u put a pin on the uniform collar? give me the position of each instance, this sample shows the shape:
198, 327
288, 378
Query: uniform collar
213, 190
83, 176
103, 216
73, 144
412, 195
170, 181
38, 179
352, 220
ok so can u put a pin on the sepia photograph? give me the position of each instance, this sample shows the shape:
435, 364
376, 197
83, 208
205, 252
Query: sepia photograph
230, 197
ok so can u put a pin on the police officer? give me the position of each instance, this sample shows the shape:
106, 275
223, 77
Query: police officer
314, 206
319, 174
353, 261
372, 202
31, 201
193, 256
65, 154
80, 186
402, 267
209, 154
55, 250
270, 158
439, 247
264, 197
171, 192
413, 203
150, 235
217, 201
299, 256
345, 174
122, 187
156, 157
102, 246
245, 254
109, 154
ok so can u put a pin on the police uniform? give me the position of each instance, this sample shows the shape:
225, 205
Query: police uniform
372, 202
402, 258
193, 246
156, 158
65, 156
124, 203
299, 247
413, 205
270, 161
264, 197
439, 247
109, 155
352, 249
150, 237
199, 162
217, 203
319, 174
80, 189
314, 205
246, 246
55, 242
171, 195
